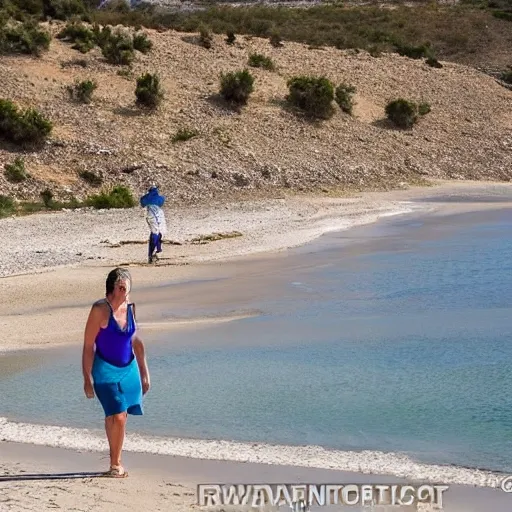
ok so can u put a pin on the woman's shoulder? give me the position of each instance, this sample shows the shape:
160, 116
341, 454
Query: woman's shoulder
101, 305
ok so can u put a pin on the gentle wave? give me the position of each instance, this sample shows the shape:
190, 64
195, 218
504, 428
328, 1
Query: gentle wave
367, 462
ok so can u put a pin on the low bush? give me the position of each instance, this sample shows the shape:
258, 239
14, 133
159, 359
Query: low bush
205, 37
119, 197
312, 95
91, 178
26, 38
236, 86
184, 134
344, 97
82, 91
7, 206
404, 113
141, 43
256, 60
118, 49
149, 91
230, 37
23, 127
15, 172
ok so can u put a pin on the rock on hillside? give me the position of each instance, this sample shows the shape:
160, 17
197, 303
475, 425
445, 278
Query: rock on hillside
264, 147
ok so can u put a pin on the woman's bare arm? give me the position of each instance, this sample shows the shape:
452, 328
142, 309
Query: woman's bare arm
92, 328
140, 355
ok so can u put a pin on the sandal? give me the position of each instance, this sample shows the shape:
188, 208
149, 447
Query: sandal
116, 472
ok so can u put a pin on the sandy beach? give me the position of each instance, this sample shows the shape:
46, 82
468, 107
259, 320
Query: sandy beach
50, 280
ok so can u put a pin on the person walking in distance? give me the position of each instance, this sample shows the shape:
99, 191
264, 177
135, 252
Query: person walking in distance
155, 218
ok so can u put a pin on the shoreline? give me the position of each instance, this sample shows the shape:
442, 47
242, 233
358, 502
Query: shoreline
35, 318
44, 478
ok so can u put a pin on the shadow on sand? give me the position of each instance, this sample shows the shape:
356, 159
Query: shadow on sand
51, 476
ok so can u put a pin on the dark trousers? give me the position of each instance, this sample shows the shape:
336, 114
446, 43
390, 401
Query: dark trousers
155, 242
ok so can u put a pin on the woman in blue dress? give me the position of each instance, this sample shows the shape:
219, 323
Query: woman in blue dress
114, 363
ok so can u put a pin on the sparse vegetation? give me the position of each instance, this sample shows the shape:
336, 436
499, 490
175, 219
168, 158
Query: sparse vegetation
25, 38
433, 62
184, 134
257, 60
404, 113
91, 178
118, 49
118, 197
506, 76
6, 206
236, 86
83, 38
82, 91
414, 52
141, 43
149, 91
81, 63
424, 108
205, 36
47, 197
15, 172
312, 95
230, 37
454, 30
344, 97
275, 39
22, 127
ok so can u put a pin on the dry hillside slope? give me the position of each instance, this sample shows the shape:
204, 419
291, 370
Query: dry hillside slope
467, 135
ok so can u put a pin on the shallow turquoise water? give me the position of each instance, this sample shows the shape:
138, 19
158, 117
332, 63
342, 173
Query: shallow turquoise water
401, 346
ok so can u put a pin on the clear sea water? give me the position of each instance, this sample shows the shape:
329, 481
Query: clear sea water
393, 337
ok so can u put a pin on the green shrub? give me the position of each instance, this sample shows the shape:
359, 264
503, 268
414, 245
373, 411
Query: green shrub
118, 49
424, 108
503, 15
184, 134
275, 39
205, 36
142, 43
65, 9
230, 36
236, 86
6, 206
27, 127
312, 95
83, 38
344, 97
101, 35
402, 113
16, 172
256, 60
414, 52
433, 62
148, 91
91, 178
82, 91
506, 76
47, 197
26, 38
118, 197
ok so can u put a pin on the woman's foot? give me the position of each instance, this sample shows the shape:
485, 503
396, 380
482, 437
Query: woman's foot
116, 472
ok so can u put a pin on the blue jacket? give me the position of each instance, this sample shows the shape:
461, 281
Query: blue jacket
152, 197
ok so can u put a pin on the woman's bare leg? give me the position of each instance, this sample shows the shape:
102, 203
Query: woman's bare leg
115, 427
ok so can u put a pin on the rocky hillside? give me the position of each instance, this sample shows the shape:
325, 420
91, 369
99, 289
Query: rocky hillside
264, 147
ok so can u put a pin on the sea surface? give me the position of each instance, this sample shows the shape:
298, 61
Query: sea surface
394, 338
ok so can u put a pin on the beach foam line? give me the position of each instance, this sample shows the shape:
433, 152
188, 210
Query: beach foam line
367, 462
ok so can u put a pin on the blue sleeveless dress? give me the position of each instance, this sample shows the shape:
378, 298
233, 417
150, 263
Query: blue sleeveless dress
115, 371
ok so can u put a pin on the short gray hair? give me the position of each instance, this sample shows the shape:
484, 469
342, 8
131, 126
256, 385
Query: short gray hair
116, 275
